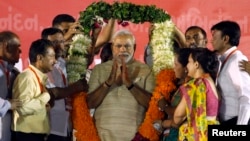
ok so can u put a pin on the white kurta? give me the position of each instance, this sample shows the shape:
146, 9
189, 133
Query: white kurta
59, 117
119, 115
235, 89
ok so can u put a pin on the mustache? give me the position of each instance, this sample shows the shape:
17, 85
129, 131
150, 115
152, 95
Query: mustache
120, 54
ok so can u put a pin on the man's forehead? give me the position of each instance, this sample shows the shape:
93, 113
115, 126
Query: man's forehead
65, 25
193, 31
215, 32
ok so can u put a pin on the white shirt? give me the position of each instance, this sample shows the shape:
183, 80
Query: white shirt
235, 89
59, 117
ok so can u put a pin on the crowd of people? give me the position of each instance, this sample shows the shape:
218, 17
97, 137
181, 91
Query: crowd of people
213, 85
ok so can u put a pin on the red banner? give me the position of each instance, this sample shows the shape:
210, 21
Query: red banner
27, 18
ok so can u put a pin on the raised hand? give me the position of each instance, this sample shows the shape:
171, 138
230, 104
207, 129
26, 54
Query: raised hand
124, 74
74, 29
112, 77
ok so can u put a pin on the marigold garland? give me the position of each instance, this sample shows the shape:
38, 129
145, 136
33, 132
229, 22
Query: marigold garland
163, 59
76, 69
82, 119
164, 86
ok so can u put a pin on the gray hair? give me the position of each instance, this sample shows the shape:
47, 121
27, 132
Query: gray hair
123, 32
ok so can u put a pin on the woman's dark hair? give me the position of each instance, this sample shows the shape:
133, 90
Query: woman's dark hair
183, 54
207, 59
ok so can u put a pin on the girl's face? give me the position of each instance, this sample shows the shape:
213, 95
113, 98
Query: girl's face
179, 69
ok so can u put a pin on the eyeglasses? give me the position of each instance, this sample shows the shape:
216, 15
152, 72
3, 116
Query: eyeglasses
195, 37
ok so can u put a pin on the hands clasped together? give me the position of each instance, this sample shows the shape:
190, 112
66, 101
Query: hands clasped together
117, 76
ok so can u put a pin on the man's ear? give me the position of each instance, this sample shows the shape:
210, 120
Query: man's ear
226, 38
39, 57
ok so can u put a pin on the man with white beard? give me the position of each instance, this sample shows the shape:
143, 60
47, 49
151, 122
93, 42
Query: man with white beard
120, 90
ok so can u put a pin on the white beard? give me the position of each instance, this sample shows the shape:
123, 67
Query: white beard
128, 58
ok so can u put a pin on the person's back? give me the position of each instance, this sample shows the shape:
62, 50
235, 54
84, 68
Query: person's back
200, 100
180, 63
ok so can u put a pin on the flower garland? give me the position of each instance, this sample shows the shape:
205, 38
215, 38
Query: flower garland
164, 86
77, 61
162, 53
76, 69
82, 121
161, 43
161, 46
124, 11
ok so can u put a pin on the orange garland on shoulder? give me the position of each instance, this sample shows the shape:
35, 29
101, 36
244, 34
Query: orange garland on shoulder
164, 86
82, 121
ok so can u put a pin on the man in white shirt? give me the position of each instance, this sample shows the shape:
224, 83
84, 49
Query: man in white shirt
57, 84
233, 84
60, 128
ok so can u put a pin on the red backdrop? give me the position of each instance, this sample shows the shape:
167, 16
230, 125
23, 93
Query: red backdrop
27, 18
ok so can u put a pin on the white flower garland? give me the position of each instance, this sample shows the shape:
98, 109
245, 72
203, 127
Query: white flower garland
77, 61
161, 46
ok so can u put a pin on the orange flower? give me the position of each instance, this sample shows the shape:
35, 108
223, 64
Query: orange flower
82, 121
164, 86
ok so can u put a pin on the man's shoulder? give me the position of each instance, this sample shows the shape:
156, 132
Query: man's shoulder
239, 55
25, 73
107, 64
141, 64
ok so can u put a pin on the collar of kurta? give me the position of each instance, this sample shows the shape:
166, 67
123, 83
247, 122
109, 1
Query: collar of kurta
42, 76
